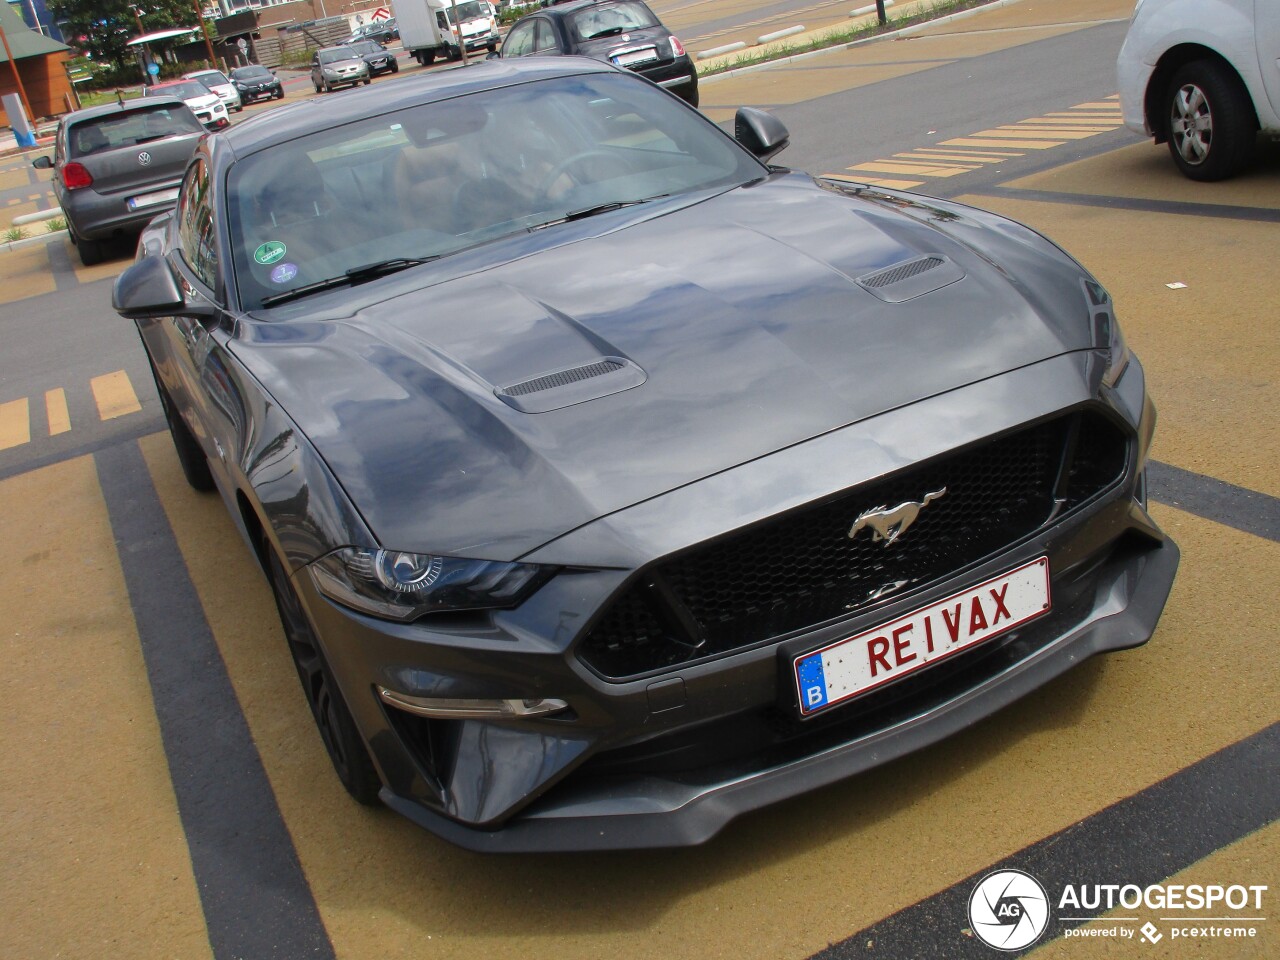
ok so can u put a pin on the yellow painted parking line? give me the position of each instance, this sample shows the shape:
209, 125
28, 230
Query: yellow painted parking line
114, 395
914, 169
1096, 105
15, 423
1014, 133
55, 405
967, 152
985, 142
95, 860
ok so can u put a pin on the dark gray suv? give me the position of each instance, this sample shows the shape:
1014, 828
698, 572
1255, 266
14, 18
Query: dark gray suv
116, 167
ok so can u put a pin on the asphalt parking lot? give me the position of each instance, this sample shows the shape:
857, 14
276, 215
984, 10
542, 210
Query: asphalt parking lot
167, 797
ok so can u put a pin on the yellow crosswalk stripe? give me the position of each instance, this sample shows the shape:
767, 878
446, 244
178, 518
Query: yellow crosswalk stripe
1069, 122
913, 169
1024, 133
55, 405
1096, 105
986, 142
113, 392
933, 158
876, 182
966, 152
15, 423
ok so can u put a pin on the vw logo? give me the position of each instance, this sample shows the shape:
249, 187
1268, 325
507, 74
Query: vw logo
144, 158
1008, 910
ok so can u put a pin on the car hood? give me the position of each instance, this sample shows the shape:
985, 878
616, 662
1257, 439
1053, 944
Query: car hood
737, 327
203, 103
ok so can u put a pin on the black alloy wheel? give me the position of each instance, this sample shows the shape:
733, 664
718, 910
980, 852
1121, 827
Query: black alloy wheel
333, 718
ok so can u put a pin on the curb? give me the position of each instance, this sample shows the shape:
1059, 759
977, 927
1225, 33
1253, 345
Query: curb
8, 245
890, 35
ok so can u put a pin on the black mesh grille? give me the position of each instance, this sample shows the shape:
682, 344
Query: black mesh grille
802, 569
563, 378
903, 271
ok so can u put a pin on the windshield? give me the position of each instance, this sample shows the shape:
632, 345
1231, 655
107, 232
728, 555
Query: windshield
210, 79
438, 178
130, 129
367, 46
337, 56
191, 90
250, 73
467, 11
609, 20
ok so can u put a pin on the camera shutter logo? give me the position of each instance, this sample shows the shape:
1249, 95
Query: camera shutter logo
1008, 910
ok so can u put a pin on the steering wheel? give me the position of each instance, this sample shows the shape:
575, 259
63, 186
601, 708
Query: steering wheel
567, 164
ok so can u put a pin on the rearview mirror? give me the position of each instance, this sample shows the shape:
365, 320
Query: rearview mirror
763, 134
42, 162
149, 289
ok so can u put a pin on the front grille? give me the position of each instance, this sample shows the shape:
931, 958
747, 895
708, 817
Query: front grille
801, 569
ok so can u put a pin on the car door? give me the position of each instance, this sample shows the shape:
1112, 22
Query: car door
1267, 34
194, 349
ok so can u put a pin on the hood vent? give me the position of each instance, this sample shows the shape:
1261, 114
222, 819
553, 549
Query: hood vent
563, 388
911, 279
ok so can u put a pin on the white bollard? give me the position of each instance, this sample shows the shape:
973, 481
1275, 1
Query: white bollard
779, 34
727, 48
863, 11
38, 215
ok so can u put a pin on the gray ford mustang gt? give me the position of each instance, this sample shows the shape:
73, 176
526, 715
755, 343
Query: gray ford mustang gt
612, 482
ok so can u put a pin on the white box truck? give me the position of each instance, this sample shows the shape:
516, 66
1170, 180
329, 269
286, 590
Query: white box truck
431, 28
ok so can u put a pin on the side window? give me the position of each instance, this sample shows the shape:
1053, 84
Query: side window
196, 239
545, 39
519, 42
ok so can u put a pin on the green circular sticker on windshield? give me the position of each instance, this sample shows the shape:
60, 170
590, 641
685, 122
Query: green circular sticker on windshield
269, 252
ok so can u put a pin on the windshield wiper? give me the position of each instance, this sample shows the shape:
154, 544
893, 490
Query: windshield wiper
592, 211
610, 32
356, 275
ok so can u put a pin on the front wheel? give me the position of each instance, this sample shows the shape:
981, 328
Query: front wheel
279, 95
395, 68
1211, 124
342, 741
195, 467
367, 81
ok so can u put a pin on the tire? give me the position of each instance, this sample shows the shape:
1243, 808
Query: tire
316, 85
194, 465
492, 47
428, 57
395, 68
368, 80
279, 95
1209, 121
328, 87
92, 252
455, 53
338, 732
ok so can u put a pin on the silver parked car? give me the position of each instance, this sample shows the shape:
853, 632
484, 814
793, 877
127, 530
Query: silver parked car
333, 66
116, 167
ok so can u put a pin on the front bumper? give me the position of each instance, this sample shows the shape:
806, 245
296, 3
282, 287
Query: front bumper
668, 760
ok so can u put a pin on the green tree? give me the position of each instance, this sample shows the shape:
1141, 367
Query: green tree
103, 27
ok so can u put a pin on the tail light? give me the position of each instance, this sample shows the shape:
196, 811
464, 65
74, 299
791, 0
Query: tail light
677, 48
75, 176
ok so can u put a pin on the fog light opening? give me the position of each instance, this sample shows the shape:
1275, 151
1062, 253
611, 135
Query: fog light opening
452, 708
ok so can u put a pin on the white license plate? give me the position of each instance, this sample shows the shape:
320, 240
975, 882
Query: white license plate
853, 666
631, 57
151, 199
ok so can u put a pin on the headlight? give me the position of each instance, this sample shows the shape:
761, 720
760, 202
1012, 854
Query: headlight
1106, 332
404, 586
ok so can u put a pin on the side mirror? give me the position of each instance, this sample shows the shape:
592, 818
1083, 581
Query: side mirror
149, 289
761, 133
42, 162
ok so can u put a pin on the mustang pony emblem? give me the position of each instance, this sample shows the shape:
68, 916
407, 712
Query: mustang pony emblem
888, 525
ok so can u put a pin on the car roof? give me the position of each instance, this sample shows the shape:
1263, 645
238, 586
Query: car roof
200, 73
106, 110
298, 119
573, 6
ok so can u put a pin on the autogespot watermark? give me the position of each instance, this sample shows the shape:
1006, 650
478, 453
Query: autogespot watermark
1010, 910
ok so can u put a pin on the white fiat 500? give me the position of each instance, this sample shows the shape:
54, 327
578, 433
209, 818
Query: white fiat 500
1204, 77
